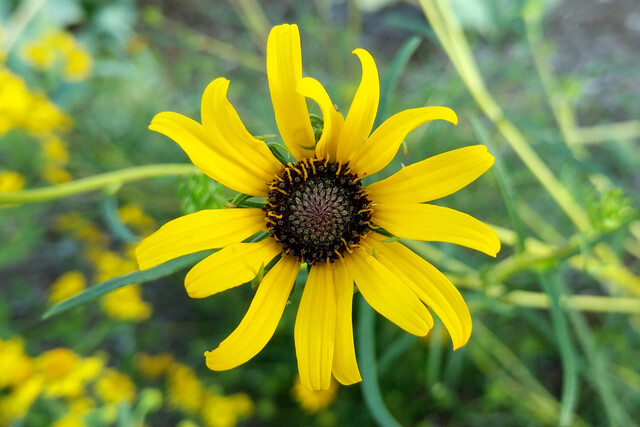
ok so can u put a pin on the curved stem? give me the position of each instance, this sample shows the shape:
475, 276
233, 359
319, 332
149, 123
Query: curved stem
368, 368
96, 182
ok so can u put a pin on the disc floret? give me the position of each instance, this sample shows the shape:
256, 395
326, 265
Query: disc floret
317, 210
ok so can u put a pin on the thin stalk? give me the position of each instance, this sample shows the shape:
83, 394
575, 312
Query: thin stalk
569, 396
19, 20
368, 368
96, 182
457, 48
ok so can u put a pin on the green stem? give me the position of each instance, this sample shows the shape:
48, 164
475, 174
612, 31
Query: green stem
567, 351
368, 369
96, 182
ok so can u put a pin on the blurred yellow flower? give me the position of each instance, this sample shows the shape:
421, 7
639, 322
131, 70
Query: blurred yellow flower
59, 47
314, 400
69, 420
22, 109
66, 286
78, 64
55, 174
133, 216
115, 387
65, 373
152, 366
126, 304
225, 411
185, 390
55, 150
15, 405
44, 116
11, 181
15, 365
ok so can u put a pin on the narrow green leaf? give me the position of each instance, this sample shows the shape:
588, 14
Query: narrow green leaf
392, 75
100, 289
368, 368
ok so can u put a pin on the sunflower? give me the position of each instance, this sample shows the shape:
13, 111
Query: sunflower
318, 212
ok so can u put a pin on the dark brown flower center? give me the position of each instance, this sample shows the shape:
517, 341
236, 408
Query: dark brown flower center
317, 209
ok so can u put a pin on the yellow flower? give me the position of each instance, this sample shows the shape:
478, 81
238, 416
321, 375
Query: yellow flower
55, 151
66, 286
59, 46
69, 420
314, 400
15, 365
16, 404
319, 212
78, 64
126, 304
65, 373
115, 387
133, 216
55, 174
225, 411
185, 390
152, 366
11, 181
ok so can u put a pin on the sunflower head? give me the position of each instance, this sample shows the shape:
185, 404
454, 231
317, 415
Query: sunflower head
317, 209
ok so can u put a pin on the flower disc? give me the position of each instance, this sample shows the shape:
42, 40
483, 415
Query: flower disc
317, 209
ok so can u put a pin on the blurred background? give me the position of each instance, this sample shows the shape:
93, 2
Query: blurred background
551, 87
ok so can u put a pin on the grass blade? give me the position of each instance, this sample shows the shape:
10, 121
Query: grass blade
100, 289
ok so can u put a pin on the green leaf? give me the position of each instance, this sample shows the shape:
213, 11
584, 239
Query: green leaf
100, 289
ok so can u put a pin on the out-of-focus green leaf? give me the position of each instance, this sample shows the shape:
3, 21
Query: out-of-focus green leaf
98, 290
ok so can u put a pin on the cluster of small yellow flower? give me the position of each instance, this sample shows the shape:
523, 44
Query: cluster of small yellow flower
188, 395
59, 49
83, 388
81, 384
125, 303
30, 110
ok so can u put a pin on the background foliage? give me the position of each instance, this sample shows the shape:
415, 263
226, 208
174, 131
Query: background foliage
550, 86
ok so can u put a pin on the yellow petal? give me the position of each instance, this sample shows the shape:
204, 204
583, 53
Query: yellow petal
363, 109
260, 322
333, 120
284, 72
433, 178
345, 368
203, 152
429, 284
315, 330
382, 145
207, 229
387, 294
231, 138
232, 266
436, 224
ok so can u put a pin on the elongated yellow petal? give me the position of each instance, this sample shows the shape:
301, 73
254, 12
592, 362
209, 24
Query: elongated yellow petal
284, 72
203, 152
229, 135
362, 112
333, 120
260, 322
436, 224
232, 266
429, 284
382, 145
315, 330
207, 229
433, 178
387, 294
345, 368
